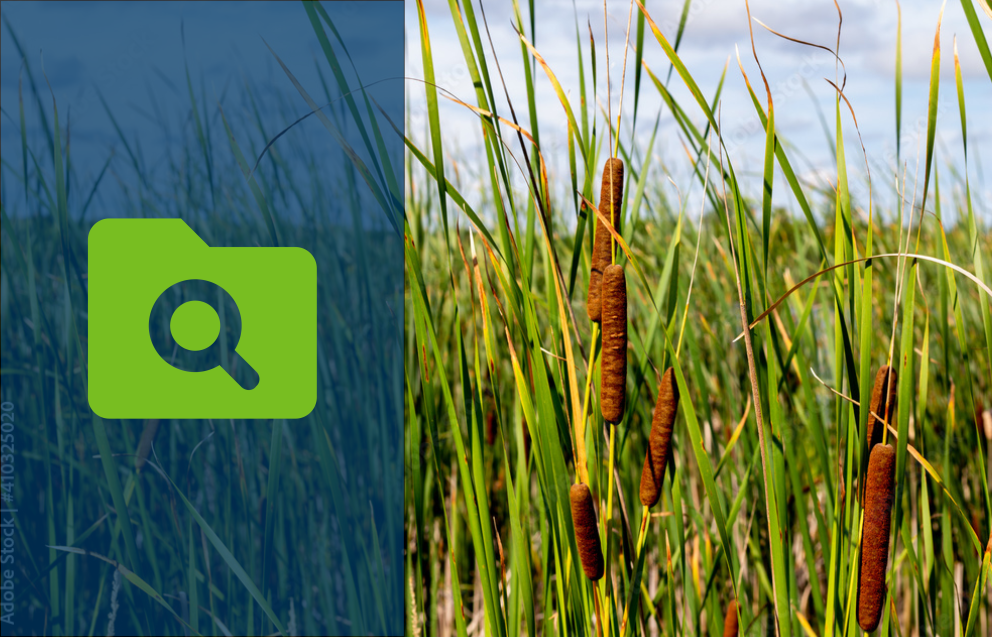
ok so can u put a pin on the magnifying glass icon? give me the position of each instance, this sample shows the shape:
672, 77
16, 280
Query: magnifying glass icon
195, 326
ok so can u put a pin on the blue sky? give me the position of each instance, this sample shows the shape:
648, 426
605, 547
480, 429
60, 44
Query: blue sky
714, 29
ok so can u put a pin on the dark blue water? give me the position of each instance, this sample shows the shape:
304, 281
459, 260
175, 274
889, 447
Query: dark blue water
133, 55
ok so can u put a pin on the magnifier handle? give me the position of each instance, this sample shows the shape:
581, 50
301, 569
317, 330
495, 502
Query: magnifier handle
249, 377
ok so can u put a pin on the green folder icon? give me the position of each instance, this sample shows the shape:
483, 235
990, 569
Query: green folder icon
255, 359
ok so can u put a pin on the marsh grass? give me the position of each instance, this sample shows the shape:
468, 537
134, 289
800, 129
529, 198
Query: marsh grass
209, 527
762, 502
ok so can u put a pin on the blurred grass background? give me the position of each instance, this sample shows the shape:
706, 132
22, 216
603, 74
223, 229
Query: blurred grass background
210, 527
502, 371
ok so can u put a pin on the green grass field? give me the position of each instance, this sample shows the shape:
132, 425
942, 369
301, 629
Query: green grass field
762, 501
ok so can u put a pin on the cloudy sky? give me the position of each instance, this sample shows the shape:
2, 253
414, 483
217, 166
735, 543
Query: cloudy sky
716, 29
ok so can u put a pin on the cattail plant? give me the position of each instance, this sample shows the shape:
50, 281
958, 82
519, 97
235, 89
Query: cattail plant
610, 198
660, 439
730, 620
560, 372
586, 531
875, 537
490, 427
613, 382
883, 402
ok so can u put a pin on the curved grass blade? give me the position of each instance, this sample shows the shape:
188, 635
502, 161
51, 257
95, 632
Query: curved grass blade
131, 577
971, 277
433, 117
339, 138
116, 493
229, 559
976, 31
252, 183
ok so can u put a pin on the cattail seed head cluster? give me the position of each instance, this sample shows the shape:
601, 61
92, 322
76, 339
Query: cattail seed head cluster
610, 195
883, 402
613, 382
660, 439
730, 620
586, 531
875, 536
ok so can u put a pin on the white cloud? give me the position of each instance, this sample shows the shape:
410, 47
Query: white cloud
714, 31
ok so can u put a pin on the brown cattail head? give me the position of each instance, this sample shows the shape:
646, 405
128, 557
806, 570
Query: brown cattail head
875, 537
611, 193
660, 440
586, 531
730, 620
883, 402
613, 383
490, 427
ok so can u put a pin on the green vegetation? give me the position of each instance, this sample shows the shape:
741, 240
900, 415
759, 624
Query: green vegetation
763, 498
189, 527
